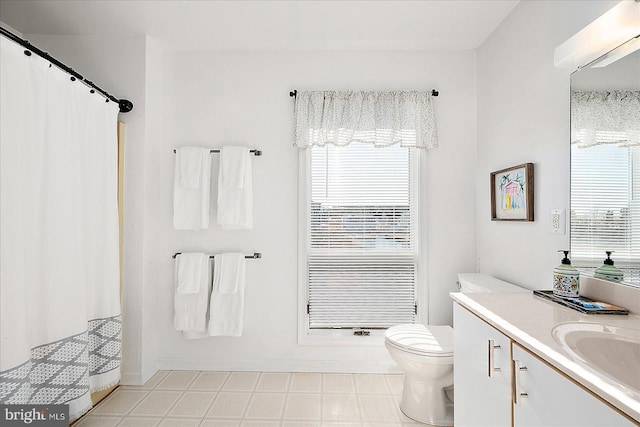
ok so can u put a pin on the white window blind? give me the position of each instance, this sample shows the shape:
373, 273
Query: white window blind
605, 206
361, 243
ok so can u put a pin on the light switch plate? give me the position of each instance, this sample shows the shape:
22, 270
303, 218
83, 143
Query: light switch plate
558, 221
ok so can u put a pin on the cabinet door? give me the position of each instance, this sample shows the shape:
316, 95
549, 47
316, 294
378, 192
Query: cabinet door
553, 400
482, 362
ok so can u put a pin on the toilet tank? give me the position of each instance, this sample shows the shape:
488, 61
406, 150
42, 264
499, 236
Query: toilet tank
482, 283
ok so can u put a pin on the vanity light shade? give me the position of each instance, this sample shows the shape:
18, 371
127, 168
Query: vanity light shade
620, 24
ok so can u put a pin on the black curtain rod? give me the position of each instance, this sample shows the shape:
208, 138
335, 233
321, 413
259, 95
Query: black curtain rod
294, 93
255, 152
124, 104
255, 255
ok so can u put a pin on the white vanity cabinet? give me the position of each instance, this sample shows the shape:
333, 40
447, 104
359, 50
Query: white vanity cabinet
495, 378
482, 372
544, 397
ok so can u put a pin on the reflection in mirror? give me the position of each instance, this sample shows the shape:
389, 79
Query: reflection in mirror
605, 164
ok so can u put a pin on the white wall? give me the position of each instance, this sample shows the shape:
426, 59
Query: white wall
242, 98
523, 116
154, 108
213, 99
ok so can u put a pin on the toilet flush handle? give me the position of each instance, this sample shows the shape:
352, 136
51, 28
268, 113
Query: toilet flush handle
491, 359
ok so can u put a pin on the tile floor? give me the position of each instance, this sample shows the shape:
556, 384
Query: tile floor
234, 399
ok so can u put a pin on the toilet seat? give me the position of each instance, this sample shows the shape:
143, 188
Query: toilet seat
431, 341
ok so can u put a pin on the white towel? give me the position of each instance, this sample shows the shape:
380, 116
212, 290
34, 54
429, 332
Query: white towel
227, 296
229, 272
233, 161
191, 204
189, 160
189, 266
191, 309
235, 192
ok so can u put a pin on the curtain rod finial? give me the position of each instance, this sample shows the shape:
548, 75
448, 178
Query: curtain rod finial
293, 93
125, 105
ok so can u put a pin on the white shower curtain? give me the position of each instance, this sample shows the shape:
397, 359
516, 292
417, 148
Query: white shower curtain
59, 277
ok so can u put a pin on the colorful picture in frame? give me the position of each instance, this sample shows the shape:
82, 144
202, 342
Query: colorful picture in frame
512, 193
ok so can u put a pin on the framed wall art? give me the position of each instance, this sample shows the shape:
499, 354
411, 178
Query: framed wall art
512, 193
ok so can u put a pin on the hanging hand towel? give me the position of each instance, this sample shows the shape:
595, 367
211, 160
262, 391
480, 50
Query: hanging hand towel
232, 166
227, 296
190, 161
235, 192
190, 266
191, 189
191, 308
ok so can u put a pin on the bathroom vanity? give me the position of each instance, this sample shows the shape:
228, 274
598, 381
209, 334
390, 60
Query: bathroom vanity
520, 360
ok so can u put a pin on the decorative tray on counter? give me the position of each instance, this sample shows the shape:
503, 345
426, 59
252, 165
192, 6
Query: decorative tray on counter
583, 304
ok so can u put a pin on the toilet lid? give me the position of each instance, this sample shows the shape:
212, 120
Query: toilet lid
436, 341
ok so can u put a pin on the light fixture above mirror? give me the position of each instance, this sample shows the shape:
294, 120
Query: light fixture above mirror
614, 28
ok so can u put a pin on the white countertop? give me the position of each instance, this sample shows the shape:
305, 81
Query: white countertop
529, 320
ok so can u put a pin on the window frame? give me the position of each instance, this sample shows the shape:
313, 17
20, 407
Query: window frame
337, 337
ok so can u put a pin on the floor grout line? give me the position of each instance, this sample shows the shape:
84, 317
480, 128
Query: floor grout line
345, 384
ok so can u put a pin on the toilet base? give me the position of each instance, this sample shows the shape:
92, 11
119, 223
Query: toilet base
423, 402
447, 422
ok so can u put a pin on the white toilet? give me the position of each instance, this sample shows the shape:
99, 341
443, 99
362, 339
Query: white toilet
425, 354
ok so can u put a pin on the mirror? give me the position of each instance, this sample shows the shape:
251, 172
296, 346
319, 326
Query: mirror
605, 163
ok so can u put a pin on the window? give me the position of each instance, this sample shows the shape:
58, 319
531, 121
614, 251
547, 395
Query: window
605, 206
359, 236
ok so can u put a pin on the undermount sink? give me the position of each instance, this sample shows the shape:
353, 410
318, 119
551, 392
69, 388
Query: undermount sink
611, 350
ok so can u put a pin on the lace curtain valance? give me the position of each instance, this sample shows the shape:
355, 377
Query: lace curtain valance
380, 118
608, 117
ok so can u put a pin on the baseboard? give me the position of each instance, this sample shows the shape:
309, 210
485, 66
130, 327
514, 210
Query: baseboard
341, 366
149, 372
138, 378
131, 378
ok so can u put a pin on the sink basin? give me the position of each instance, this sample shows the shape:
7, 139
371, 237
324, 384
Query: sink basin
611, 350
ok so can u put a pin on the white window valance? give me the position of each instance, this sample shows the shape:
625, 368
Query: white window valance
605, 117
380, 118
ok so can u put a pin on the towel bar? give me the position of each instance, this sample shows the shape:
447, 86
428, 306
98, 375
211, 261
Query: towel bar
255, 255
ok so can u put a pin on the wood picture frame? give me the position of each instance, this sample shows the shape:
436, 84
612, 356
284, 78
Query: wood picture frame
512, 193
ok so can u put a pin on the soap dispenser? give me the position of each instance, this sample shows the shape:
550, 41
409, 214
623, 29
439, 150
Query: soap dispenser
566, 279
608, 271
